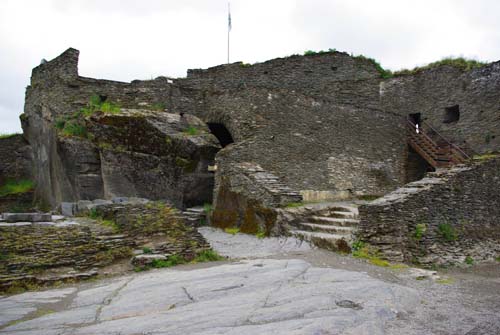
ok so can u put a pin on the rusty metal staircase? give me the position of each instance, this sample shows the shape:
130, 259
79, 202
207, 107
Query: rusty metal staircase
437, 151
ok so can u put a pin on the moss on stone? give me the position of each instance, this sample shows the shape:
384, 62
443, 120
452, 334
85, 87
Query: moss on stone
188, 165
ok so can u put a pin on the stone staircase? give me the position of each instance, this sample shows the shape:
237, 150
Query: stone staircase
280, 193
326, 226
195, 216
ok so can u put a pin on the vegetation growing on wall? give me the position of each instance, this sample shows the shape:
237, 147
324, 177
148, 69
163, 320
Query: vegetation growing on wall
384, 73
461, 63
16, 186
2, 136
73, 125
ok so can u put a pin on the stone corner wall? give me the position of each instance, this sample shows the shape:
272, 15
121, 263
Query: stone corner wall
445, 218
247, 195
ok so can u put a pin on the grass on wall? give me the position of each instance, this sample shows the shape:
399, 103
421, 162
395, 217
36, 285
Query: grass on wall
2, 136
16, 187
461, 63
73, 126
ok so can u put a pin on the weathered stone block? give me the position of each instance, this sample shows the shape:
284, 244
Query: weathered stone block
27, 217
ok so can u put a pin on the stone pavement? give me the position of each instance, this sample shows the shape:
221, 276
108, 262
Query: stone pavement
276, 286
248, 297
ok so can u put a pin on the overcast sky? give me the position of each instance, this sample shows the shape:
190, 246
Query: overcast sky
142, 39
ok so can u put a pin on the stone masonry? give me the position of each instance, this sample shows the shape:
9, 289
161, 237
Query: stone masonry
441, 219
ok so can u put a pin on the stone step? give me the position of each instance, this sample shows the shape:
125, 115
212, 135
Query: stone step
195, 210
333, 242
344, 222
330, 229
343, 215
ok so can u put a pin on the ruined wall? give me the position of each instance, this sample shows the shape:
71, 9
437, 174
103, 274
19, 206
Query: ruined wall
430, 92
15, 166
56, 91
109, 161
314, 121
37, 253
15, 163
440, 219
247, 195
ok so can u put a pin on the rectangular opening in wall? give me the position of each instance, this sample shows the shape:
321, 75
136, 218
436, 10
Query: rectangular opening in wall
451, 114
415, 118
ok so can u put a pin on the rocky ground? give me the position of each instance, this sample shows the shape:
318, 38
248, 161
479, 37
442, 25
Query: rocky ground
270, 286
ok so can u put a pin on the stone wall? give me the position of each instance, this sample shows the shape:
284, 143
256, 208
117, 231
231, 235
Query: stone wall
441, 219
142, 152
57, 92
304, 119
41, 252
15, 162
15, 166
247, 196
29, 251
430, 92
326, 125
300, 118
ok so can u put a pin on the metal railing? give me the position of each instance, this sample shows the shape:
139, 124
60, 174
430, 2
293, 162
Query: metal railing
455, 147
454, 150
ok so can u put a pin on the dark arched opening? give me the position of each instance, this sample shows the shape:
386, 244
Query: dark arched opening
220, 131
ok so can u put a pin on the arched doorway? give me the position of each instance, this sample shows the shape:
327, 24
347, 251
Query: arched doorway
221, 132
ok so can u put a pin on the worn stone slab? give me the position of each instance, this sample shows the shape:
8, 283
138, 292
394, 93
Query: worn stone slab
248, 246
262, 296
27, 217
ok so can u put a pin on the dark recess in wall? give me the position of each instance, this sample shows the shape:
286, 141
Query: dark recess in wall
221, 132
451, 114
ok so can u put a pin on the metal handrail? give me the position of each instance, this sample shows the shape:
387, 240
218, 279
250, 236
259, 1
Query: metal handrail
448, 142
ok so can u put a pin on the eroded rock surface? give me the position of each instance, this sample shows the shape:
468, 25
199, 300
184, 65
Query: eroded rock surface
248, 297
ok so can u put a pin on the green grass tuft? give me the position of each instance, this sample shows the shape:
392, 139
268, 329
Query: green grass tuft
147, 250
461, 63
469, 260
72, 128
384, 73
111, 224
420, 230
208, 208
192, 131
207, 256
171, 261
261, 234
447, 232
294, 205
16, 187
232, 231
366, 252
2, 136
485, 156
445, 281
93, 214
159, 106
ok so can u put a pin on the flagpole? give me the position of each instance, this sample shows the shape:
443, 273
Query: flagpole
228, 28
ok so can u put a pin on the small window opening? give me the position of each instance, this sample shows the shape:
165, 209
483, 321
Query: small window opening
103, 98
221, 132
415, 118
451, 114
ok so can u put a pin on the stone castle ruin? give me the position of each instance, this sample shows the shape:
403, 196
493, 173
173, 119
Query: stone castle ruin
275, 147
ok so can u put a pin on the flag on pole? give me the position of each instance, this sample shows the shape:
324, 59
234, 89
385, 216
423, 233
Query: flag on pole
229, 16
